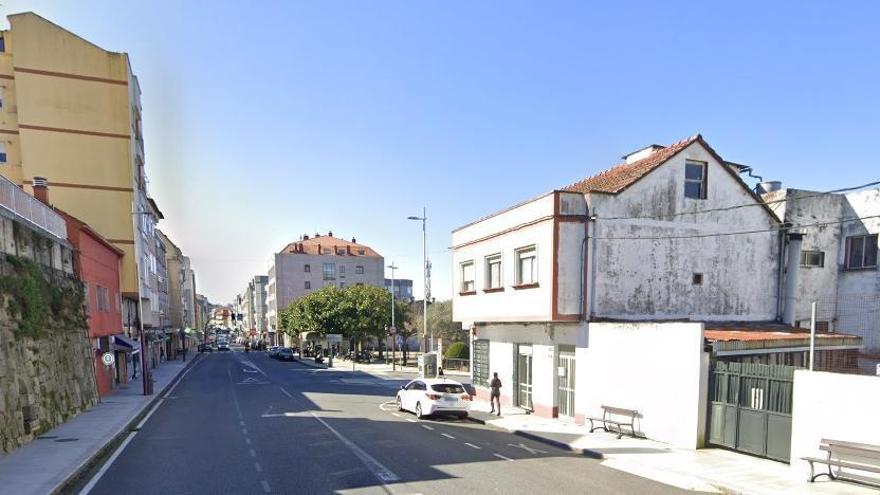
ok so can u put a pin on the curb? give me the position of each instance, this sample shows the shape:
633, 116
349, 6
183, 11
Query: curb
592, 454
86, 466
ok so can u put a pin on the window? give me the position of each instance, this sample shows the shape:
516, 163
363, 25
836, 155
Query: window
361, 252
103, 298
341, 285
2, 44
861, 251
467, 277
493, 272
329, 271
308, 285
1, 96
341, 269
340, 251
695, 179
526, 266
359, 270
307, 268
86, 297
812, 259
2, 152
481, 362
698, 279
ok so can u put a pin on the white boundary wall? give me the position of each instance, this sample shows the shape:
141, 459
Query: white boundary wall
834, 406
659, 369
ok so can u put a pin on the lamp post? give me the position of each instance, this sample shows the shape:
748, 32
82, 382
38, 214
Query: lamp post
424, 219
393, 267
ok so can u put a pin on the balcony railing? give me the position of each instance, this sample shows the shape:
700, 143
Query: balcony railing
14, 199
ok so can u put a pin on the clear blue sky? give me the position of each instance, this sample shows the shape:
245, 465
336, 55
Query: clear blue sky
267, 120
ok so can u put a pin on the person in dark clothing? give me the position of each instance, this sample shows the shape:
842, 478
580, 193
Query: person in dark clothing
440, 372
495, 396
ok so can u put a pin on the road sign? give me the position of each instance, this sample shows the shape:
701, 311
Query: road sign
107, 358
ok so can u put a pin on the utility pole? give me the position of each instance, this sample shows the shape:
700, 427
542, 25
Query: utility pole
424, 219
393, 267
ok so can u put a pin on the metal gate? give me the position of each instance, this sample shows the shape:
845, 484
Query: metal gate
566, 384
524, 377
750, 408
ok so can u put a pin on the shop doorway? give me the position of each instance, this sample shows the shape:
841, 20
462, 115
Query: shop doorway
524, 377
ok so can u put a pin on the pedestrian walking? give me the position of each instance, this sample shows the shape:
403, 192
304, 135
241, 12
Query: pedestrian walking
440, 372
495, 397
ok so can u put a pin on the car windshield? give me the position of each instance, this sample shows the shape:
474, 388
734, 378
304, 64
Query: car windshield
447, 388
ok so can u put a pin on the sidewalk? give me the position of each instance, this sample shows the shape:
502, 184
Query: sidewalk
378, 368
45, 465
710, 470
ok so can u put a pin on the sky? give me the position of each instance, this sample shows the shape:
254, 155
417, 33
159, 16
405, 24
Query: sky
266, 120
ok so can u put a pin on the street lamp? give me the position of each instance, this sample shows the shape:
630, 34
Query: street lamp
424, 219
393, 267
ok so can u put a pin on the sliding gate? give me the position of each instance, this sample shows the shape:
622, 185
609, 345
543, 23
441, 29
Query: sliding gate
750, 408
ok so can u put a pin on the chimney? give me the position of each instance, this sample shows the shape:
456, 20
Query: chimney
642, 153
306, 237
792, 267
41, 189
353, 240
330, 233
317, 234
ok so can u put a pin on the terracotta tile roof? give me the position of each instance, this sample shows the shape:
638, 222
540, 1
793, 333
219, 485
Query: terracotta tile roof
726, 332
323, 243
621, 176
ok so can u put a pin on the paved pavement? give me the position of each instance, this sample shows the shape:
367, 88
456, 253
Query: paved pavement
244, 423
46, 464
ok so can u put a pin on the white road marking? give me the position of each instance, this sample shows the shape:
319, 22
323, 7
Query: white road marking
265, 486
502, 457
396, 414
286, 392
528, 449
473, 446
427, 427
258, 467
447, 435
241, 423
244, 431
392, 403
94, 481
411, 420
247, 441
141, 424
381, 472
253, 453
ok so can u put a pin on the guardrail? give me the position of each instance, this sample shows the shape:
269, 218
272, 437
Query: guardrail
14, 199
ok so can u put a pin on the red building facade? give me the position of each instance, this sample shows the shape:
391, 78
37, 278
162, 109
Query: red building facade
97, 265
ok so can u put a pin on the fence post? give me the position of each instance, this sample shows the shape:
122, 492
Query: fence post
812, 333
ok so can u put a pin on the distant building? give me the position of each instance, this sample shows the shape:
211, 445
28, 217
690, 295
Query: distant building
314, 262
403, 288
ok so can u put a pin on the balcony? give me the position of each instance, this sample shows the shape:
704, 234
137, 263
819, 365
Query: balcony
22, 204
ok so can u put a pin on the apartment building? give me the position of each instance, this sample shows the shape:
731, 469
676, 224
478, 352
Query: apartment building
402, 288
315, 262
71, 113
592, 281
254, 310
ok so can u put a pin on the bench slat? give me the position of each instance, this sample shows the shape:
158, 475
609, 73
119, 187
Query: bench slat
620, 410
836, 450
865, 446
844, 464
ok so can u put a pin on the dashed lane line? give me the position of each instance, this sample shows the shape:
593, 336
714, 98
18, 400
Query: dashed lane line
266, 487
411, 420
253, 453
258, 467
473, 446
286, 392
502, 457
447, 435
427, 427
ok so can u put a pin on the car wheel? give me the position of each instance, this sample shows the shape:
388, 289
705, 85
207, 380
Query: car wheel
419, 410
399, 404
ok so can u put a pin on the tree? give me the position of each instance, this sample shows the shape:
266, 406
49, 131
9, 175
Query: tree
440, 322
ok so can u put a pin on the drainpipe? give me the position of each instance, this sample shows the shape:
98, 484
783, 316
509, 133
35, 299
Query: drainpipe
780, 272
583, 276
791, 276
592, 289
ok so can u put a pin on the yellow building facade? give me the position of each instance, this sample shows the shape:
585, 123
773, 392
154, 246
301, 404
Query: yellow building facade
71, 113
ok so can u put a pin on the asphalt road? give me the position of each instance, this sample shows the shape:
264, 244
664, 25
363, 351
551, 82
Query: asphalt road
242, 423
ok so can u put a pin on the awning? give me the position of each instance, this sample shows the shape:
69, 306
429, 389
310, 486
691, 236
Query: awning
124, 344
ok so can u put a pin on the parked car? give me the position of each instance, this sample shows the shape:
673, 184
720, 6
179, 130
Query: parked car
430, 396
286, 354
205, 348
222, 346
272, 351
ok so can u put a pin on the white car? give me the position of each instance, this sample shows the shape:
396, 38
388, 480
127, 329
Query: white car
426, 396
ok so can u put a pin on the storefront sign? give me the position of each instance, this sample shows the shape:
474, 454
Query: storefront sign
108, 359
